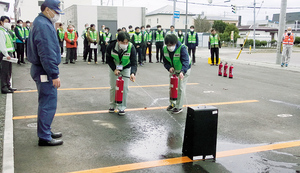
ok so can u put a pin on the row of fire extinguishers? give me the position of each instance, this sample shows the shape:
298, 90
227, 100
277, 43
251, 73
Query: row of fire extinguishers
225, 70
120, 88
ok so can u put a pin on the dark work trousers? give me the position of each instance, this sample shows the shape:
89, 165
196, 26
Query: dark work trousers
61, 44
25, 48
91, 54
85, 50
149, 46
71, 53
144, 47
213, 52
159, 48
139, 53
193, 52
20, 52
6, 69
76, 51
103, 50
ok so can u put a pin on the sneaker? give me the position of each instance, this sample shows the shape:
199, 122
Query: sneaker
286, 65
170, 108
176, 111
121, 113
89, 63
212, 64
111, 110
96, 62
282, 64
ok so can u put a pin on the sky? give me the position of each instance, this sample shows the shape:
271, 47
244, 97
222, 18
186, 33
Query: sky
208, 10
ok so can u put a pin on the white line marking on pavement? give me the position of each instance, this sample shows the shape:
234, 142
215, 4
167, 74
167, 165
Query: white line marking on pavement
282, 102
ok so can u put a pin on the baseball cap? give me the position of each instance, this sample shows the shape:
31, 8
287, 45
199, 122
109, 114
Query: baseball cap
54, 5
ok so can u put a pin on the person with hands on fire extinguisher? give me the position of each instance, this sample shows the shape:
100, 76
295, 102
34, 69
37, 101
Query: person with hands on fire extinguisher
121, 58
177, 61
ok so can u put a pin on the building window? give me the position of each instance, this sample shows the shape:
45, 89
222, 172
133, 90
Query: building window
157, 20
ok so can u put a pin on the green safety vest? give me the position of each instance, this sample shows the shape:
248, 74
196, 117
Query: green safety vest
21, 31
71, 36
214, 40
9, 41
159, 36
106, 37
138, 38
117, 35
61, 34
15, 37
131, 33
93, 35
176, 58
181, 38
148, 36
26, 30
125, 60
192, 38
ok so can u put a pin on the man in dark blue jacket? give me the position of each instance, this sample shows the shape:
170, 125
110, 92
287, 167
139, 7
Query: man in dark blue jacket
192, 42
44, 54
177, 61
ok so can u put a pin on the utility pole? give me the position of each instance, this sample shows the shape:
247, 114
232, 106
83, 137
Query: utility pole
123, 3
281, 29
174, 9
186, 19
254, 26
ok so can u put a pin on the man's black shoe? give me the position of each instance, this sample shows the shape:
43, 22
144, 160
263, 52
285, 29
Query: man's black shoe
24, 62
12, 89
72, 62
65, 63
53, 142
56, 135
5, 91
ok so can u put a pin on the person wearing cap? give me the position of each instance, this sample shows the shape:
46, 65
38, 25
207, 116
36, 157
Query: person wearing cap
121, 58
44, 54
177, 61
6, 50
21, 39
288, 40
61, 37
159, 37
71, 44
192, 42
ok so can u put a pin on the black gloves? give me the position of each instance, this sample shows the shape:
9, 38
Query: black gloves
72, 42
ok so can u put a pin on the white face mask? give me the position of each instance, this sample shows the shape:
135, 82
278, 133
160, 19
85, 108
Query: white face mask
55, 18
191, 30
7, 25
148, 29
171, 48
28, 24
123, 46
159, 29
21, 24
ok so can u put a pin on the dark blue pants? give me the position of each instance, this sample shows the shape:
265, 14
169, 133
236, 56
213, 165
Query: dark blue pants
139, 53
47, 94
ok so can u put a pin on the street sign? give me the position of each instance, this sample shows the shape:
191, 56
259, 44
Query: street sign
176, 14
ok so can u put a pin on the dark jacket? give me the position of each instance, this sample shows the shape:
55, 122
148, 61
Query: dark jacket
137, 44
192, 45
110, 59
19, 37
184, 58
43, 49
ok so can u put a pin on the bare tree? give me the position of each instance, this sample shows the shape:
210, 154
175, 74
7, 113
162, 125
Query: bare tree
201, 24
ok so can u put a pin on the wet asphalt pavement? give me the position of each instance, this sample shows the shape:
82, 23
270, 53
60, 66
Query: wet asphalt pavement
97, 140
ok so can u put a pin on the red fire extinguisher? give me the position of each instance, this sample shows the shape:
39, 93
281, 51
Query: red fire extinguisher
119, 90
220, 69
174, 87
231, 71
225, 70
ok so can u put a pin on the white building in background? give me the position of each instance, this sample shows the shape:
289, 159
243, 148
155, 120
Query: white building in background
4, 6
29, 9
110, 16
164, 16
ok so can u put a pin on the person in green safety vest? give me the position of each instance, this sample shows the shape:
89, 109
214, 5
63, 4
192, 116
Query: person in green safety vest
159, 37
61, 36
214, 45
181, 37
177, 61
93, 38
21, 39
131, 31
121, 58
27, 31
119, 30
71, 44
149, 41
137, 40
172, 31
144, 44
85, 41
192, 42
6, 50
14, 37
124, 29
105, 39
